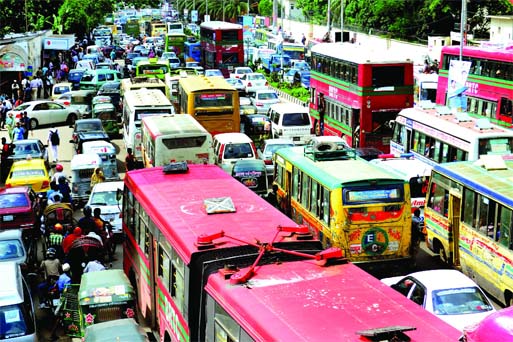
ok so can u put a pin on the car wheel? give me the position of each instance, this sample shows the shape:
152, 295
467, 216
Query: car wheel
71, 119
33, 124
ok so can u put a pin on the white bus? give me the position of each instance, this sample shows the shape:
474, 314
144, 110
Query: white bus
138, 104
415, 172
435, 134
174, 138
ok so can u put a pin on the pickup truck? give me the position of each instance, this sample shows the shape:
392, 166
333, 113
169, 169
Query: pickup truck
273, 63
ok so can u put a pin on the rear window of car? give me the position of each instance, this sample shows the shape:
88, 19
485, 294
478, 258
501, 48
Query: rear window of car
235, 151
61, 89
267, 96
13, 201
296, 119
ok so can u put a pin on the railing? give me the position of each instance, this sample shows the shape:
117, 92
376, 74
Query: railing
289, 98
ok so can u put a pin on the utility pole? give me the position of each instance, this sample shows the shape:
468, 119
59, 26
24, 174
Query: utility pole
463, 27
342, 6
275, 15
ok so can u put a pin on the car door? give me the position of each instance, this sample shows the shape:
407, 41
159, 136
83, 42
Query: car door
57, 112
41, 113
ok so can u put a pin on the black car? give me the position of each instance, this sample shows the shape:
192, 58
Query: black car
368, 153
87, 130
130, 56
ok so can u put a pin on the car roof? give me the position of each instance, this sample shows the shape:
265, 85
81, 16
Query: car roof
108, 186
232, 138
443, 279
14, 190
29, 163
10, 234
87, 121
26, 142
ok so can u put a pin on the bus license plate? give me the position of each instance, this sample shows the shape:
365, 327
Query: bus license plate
296, 138
8, 218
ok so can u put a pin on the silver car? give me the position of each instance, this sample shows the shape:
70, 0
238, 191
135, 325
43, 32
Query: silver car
44, 112
254, 81
263, 99
270, 146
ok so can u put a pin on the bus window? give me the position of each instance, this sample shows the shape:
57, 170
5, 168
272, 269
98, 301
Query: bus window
504, 227
469, 206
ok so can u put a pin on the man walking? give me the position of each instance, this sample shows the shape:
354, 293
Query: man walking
54, 142
25, 123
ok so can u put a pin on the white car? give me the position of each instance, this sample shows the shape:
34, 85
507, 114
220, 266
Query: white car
270, 146
254, 81
449, 294
213, 72
174, 62
44, 112
103, 196
263, 99
238, 72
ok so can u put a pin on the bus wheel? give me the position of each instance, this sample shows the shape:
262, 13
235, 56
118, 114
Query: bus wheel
508, 296
443, 256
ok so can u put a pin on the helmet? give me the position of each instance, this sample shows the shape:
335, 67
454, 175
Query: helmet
59, 168
66, 267
58, 227
88, 211
50, 252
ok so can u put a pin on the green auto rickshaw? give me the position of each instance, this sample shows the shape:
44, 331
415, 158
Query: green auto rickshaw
102, 296
120, 330
103, 109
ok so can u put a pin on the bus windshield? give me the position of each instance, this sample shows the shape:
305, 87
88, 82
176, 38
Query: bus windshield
139, 114
354, 195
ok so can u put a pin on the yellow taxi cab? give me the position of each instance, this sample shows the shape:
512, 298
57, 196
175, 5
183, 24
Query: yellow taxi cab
30, 172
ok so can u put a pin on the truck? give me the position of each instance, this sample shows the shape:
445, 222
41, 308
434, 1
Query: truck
274, 63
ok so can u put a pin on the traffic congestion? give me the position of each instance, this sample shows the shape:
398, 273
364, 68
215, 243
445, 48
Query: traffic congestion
173, 181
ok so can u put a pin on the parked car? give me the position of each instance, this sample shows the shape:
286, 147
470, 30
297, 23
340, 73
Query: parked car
30, 147
45, 112
254, 81
449, 294
30, 172
263, 99
87, 130
266, 152
103, 196
19, 207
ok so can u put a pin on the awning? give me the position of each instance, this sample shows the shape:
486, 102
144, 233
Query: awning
12, 58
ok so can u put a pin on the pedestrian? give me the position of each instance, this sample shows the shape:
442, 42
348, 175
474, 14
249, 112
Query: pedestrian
129, 160
39, 87
24, 83
3, 114
33, 88
10, 123
54, 141
25, 121
272, 197
321, 108
18, 132
416, 231
4, 170
15, 88
303, 39
97, 177
65, 190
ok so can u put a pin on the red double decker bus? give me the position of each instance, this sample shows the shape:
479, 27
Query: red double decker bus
489, 84
212, 261
222, 46
364, 91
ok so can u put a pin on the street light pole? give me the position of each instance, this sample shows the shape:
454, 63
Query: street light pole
463, 28
342, 6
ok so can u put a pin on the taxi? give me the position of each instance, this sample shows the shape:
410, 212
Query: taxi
31, 173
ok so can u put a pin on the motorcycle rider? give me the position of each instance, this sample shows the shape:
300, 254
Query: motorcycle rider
50, 270
87, 223
105, 231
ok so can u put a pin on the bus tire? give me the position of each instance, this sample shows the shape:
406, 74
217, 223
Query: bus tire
508, 298
325, 147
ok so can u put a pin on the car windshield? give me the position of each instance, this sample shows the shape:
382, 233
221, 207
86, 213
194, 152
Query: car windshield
104, 198
22, 106
26, 149
460, 301
11, 249
256, 77
13, 322
13, 201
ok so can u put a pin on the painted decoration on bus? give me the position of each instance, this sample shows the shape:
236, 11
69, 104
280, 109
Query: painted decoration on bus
375, 241
372, 195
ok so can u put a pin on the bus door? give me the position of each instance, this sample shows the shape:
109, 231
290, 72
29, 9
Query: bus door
355, 125
286, 205
151, 319
454, 226
407, 143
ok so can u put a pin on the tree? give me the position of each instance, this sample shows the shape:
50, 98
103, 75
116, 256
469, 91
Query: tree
81, 16
265, 8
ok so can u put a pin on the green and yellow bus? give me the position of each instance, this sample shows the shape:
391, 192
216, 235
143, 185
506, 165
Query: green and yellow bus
175, 42
152, 67
346, 202
468, 219
212, 101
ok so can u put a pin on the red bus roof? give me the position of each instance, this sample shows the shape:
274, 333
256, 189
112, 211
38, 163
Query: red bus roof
220, 25
493, 53
184, 211
301, 301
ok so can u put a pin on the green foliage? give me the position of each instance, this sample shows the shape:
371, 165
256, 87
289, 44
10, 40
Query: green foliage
81, 16
265, 8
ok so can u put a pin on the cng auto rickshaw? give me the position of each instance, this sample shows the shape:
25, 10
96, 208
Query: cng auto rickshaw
122, 330
82, 168
104, 110
102, 296
107, 153
252, 173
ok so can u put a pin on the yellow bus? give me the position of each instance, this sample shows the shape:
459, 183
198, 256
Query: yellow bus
143, 82
212, 101
158, 28
469, 221
346, 202
175, 138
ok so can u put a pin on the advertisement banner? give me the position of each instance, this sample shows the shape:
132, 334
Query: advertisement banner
458, 74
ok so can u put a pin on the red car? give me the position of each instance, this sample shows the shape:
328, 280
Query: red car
19, 208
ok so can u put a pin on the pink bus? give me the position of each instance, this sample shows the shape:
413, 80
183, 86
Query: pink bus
210, 260
489, 84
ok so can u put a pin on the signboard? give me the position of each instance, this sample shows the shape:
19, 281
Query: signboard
10, 61
58, 43
194, 16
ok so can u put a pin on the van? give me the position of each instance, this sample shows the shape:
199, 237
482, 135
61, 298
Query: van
94, 79
17, 316
60, 88
290, 121
230, 147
